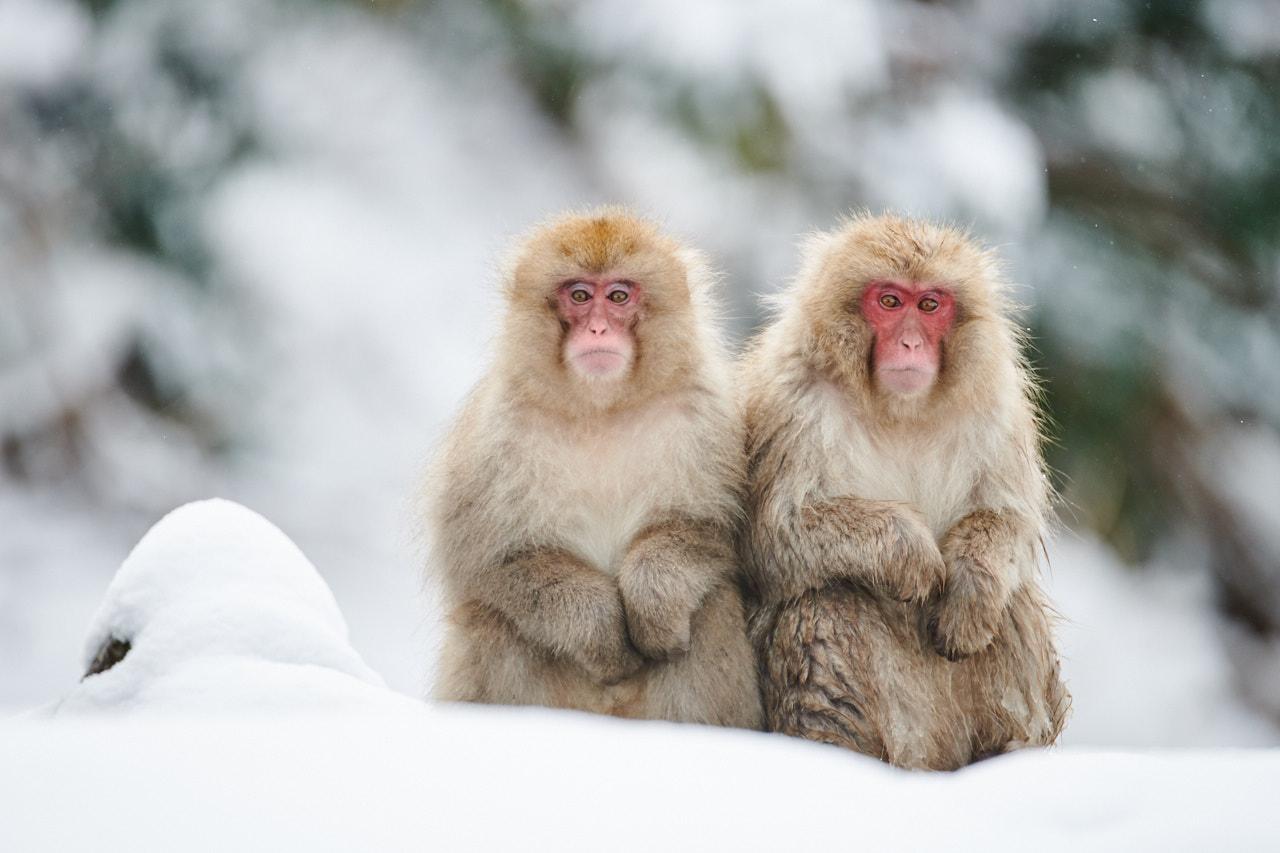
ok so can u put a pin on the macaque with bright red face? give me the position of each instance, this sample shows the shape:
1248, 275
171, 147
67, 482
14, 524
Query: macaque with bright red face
910, 321
895, 503
600, 314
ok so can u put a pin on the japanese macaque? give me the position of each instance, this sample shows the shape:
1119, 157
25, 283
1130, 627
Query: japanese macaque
896, 500
584, 504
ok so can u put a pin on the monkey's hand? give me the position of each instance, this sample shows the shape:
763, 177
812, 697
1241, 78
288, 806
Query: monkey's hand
964, 621
659, 612
608, 656
560, 603
882, 545
664, 577
913, 568
979, 552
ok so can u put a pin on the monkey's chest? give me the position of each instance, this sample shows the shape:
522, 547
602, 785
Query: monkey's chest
936, 481
604, 495
598, 523
935, 470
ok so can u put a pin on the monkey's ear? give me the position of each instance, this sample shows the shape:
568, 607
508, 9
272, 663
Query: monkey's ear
108, 655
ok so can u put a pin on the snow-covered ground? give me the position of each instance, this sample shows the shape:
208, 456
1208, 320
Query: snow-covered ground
241, 718
504, 779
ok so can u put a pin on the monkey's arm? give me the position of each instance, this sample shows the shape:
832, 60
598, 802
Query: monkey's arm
986, 552
560, 603
991, 551
883, 544
668, 570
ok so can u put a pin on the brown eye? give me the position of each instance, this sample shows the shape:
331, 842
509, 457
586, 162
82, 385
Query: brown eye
579, 295
889, 301
928, 305
618, 297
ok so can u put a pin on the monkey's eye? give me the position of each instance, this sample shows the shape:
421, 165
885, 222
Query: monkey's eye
619, 296
928, 305
580, 295
889, 301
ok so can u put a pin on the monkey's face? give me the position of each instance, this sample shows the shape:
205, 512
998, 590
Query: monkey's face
909, 321
598, 314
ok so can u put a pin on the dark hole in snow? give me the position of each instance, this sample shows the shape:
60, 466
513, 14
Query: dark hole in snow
110, 654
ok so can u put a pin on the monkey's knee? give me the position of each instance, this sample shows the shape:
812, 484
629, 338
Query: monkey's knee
465, 672
824, 716
485, 660
815, 686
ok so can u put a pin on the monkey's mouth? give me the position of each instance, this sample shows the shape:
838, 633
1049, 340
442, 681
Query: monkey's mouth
906, 380
600, 363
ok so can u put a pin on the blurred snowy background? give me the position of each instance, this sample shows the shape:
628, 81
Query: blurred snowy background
246, 250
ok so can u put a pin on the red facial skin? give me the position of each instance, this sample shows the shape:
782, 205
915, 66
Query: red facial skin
600, 313
910, 321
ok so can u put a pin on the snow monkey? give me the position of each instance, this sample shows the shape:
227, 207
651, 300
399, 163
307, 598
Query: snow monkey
896, 500
585, 501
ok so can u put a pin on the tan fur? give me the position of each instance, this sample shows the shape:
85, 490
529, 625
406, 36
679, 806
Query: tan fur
583, 530
891, 544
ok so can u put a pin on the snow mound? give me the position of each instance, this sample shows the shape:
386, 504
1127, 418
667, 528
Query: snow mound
216, 609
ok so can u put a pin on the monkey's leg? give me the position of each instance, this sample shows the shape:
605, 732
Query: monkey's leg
1015, 693
715, 682
846, 668
814, 681
487, 660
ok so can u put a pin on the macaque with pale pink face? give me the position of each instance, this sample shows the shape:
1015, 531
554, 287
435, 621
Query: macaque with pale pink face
584, 504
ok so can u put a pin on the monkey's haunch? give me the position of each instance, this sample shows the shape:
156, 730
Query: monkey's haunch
905, 704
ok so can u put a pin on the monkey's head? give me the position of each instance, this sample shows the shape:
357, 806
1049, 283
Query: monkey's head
907, 316
602, 311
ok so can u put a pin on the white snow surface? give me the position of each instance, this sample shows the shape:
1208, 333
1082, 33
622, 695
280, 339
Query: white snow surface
528, 779
182, 745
